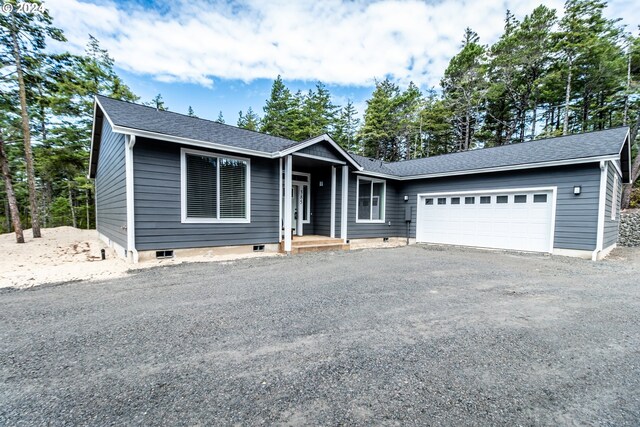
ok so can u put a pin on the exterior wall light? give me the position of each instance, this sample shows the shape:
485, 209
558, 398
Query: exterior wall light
577, 190
406, 198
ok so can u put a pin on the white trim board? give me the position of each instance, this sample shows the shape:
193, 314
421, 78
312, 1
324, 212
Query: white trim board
323, 159
183, 190
129, 143
315, 140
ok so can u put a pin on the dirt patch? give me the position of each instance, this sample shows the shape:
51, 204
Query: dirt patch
67, 254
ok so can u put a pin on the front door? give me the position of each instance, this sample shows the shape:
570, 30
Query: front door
297, 207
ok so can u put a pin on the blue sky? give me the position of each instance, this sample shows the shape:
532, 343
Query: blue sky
222, 55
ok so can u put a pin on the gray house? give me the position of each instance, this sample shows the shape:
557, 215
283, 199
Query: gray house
167, 183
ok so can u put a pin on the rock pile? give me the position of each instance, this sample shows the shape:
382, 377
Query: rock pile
629, 234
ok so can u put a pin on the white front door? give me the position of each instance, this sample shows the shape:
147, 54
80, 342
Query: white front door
503, 219
298, 195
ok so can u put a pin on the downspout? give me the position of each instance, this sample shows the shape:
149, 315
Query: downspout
602, 201
132, 253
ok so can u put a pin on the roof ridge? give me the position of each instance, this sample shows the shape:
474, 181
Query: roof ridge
511, 145
198, 118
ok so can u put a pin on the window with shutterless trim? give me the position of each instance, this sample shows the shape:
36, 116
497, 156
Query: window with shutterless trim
370, 194
455, 200
442, 200
215, 188
485, 200
469, 200
502, 199
520, 198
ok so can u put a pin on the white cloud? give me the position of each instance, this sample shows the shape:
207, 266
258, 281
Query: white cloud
339, 42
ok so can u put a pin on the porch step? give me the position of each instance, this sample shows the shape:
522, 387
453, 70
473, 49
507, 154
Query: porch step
300, 249
304, 244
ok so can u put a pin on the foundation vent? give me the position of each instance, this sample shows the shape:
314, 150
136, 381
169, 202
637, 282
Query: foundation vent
385, 239
258, 248
164, 254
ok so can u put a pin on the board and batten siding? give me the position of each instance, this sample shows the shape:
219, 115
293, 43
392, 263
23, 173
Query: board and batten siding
110, 182
158, 206
576, 216
611, 225
394, 212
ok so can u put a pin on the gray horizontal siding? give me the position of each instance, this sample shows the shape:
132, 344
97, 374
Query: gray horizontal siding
158, 210
611, 226
394, 213
576, 216
111, 192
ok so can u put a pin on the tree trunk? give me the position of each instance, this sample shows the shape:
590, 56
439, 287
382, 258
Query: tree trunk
625, 116
534, 118
635, 167
74, 221
567, 100
467, 131
31, 180
13, 203
87, 208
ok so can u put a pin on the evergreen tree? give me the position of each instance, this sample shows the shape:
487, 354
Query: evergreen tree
157, 102
277, 110
24, 35
190, 112
464, 88
345, 128
381, 122
220, 118
249, 121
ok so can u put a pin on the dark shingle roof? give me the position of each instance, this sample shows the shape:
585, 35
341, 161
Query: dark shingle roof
586, 145
141, 117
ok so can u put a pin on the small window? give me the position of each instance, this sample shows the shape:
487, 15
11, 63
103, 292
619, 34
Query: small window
303, 178
502, 199
520, 198
455, 200
469, 200
485, 200
428, 201
539, 198
442, 200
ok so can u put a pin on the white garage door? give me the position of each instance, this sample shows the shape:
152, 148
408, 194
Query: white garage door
521, 220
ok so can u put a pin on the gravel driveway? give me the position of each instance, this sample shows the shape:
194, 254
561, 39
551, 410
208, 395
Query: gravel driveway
412, 335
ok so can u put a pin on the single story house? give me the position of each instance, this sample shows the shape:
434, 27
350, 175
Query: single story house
168, 182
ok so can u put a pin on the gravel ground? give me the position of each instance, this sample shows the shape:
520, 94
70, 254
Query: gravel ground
412, 335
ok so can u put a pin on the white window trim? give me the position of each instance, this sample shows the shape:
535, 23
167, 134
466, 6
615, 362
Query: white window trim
384, 211
614, 197
183, 190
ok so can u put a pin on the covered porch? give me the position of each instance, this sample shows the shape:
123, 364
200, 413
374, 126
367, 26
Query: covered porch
314, 198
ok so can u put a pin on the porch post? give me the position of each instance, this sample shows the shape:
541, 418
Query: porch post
332, 231
288, 169
280, 183
344, 206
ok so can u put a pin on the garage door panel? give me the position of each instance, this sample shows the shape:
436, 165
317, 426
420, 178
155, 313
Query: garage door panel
509, 225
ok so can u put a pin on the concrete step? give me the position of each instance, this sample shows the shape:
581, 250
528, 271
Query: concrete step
319, 247
327, 241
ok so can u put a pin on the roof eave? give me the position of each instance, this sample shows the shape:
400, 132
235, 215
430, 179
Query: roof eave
326, 138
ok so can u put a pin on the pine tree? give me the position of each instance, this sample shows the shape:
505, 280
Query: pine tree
381, 122
345, 128
220, 118
277, 110
190, 112
464, 88
157, 102
24, 34
11, 196
250, 121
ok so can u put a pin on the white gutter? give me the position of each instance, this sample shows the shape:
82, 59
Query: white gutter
132, 253
602, 201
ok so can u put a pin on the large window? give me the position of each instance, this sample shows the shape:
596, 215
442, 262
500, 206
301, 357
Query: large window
371, 198
214, 188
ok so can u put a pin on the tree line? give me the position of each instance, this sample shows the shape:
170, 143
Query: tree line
544, 76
